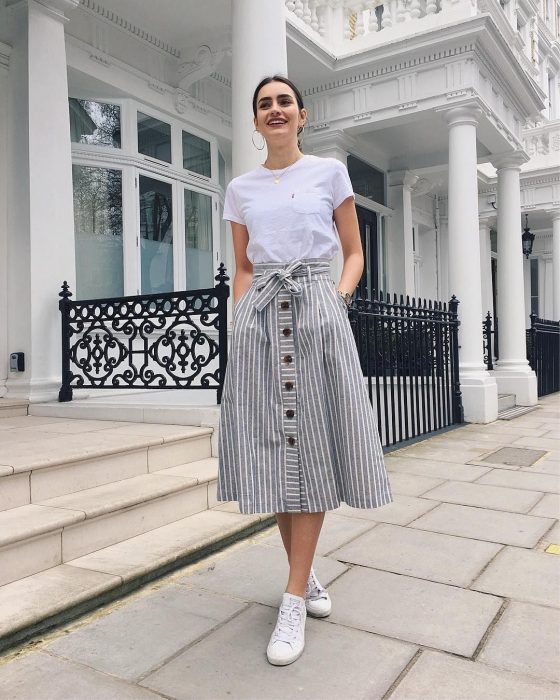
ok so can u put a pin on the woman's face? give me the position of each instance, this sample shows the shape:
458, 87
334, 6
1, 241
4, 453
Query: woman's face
278, 115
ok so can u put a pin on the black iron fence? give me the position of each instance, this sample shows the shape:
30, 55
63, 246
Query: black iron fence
543, 353
409, 356
176, 340
542, 346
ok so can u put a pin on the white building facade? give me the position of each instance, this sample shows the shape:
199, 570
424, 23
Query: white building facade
122, 122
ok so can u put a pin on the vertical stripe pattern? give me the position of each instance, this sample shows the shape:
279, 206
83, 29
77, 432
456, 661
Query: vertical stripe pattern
297, 430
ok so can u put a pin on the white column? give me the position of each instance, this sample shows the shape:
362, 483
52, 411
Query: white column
479, 391
484, 225
512, 371
556, 265
5, 51
258, 49
401, 258
40, 207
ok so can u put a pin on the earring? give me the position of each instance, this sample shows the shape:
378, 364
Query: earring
253, 140
302, 132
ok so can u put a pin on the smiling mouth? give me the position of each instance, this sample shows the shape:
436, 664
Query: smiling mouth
276, 122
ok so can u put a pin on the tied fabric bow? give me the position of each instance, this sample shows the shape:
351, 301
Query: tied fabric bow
269, 284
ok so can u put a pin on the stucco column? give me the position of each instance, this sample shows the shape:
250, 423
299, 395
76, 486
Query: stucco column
401, 258
5, 52
40, 206
480, 400
484, 226
258, 49
556, 265
512, 371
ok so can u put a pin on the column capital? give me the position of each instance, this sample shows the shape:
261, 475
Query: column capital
487, 220
55, 8
554, 214
469, 113
403, 178
335, 142
513, 160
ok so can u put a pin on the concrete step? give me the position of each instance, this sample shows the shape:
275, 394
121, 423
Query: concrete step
42, 600
505, 401
10, 408
38, 463
52, 531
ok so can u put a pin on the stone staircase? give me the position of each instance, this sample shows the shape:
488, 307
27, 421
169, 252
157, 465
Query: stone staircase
90, 509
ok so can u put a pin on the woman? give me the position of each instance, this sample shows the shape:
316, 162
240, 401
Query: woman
297, 431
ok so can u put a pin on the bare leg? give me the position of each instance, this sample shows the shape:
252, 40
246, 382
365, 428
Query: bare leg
305, 530
284, 521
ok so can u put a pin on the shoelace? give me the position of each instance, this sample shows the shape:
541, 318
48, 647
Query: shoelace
289, 620
314, 589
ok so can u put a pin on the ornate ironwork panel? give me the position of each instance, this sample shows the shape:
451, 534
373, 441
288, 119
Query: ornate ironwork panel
175, 340
543, 353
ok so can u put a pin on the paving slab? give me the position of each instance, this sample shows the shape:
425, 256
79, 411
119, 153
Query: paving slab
426, 555
403, 510
438, 676
552, 536
497, 497
337, 663
461, 455
40, 676
141, 554
526, 640
138, 637
36, 597
485, 524
540, 442
412, 609
525, 575
543, 466
412, 484
548, 506
442, 470
255, 573
336, 531
547, 483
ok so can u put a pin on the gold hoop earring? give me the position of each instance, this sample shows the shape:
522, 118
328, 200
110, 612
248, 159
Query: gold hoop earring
253, 140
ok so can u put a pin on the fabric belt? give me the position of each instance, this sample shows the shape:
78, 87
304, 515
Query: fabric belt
270, 281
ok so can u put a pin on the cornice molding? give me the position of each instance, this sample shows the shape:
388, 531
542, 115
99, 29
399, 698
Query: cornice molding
94, 8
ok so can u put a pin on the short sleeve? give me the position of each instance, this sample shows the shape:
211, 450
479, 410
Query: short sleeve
341, 185
231, 208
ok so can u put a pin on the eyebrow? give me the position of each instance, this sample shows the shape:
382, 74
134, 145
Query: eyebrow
263, 99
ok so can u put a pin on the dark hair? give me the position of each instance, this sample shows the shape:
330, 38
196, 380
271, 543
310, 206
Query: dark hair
286, 81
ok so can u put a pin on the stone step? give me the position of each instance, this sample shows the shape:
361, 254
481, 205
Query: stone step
42, 600
10, 408
38, 536
38, 464
505, 401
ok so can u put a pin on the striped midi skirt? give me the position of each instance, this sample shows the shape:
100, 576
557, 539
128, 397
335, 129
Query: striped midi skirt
297, 430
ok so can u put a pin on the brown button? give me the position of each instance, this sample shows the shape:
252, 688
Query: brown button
291, 441
289, 413
289, 385
287, 359
287, 331
285, 305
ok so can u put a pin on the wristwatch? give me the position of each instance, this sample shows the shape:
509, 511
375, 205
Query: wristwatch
345, 296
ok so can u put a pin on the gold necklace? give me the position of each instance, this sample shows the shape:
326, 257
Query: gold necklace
278, 175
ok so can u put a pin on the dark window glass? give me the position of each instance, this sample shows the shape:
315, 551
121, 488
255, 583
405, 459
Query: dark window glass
196, 154
95, 123
535, 286
366, 180
493, 240
154, 138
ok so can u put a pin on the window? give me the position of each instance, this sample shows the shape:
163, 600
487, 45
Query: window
95, 123
198, 240
221, 171
367, 180
535, 286
154, 138
98, 230
196, 154
493, 240
156, 235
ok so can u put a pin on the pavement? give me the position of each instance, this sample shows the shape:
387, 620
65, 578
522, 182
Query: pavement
451, 592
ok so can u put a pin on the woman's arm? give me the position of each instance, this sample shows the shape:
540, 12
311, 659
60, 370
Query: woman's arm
346, 221
243, 267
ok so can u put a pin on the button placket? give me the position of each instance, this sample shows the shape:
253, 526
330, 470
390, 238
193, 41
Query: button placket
295, 498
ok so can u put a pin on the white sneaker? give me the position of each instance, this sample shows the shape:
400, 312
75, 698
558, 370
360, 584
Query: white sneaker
317, 600
288, 639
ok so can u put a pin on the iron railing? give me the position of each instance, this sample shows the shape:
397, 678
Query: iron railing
542, 347
175, 340
543, 353
409, 356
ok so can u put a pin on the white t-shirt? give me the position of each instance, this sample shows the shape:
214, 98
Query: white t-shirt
293, 219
